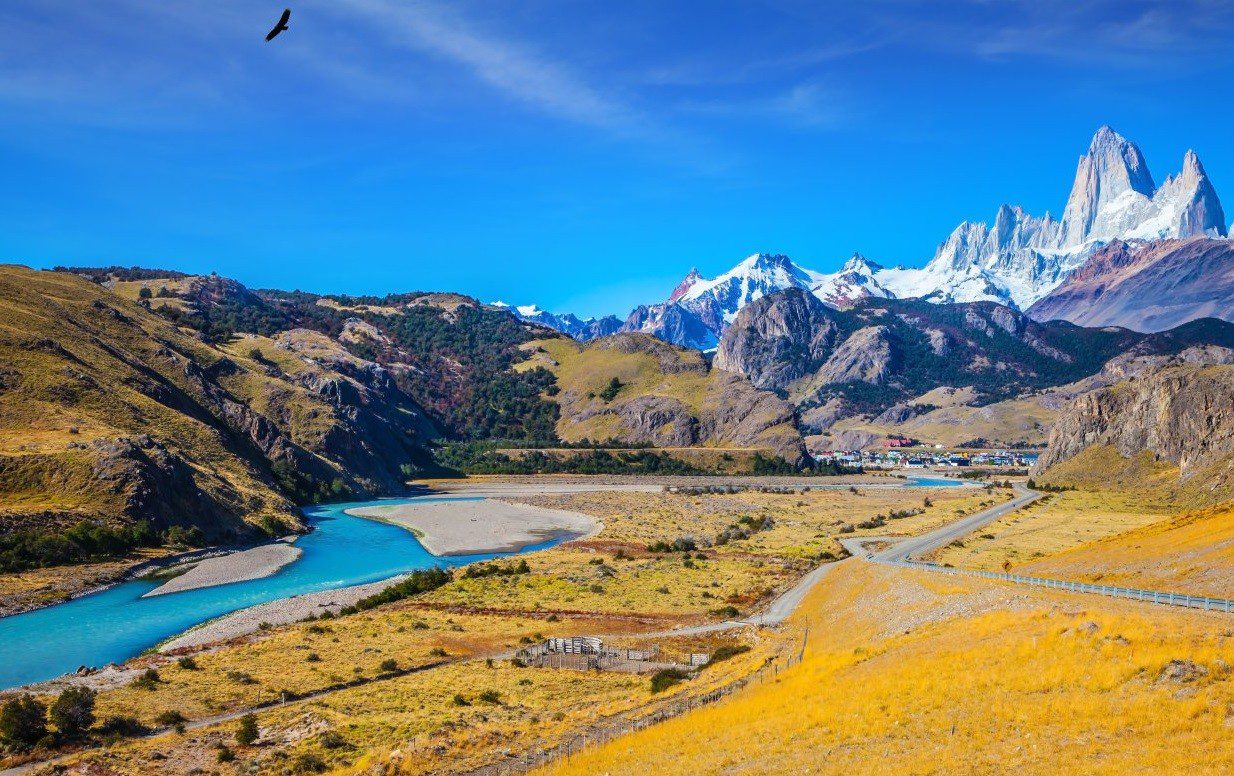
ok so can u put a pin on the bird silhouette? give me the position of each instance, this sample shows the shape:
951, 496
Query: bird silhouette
282, 25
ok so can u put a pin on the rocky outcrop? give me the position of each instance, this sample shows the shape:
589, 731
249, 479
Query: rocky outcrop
778, 339
1181, 411
865, 357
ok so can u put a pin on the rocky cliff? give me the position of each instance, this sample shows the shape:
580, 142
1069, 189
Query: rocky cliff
1180, 413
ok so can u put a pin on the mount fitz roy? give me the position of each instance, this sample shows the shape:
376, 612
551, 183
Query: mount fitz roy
1017, 260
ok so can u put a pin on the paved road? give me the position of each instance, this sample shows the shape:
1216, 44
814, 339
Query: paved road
906, 552
908, 549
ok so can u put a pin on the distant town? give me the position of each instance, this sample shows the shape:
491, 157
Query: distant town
906, 453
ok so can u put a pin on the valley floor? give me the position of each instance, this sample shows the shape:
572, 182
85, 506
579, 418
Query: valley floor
426, 683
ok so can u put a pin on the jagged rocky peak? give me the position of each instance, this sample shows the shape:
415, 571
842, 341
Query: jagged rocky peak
688, 282
1112, 168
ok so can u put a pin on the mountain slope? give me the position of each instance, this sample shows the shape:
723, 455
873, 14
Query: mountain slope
1147, 287
664, 395
111, 413
1171, 428
882, 352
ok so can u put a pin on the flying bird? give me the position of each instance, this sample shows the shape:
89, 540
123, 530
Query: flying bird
282, 25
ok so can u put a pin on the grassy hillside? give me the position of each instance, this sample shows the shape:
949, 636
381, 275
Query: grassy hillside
112, 415
912, 672
1188, 553
636, 388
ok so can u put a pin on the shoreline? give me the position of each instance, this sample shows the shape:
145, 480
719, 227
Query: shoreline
574, 526
262, 561
459, 527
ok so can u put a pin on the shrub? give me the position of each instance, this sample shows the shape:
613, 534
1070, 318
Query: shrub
247, 732
489, 696
726, 611
662, 680
611, 390
308, 762
331, 740
147, 681
169, 718
187, 663
312, 657
22, 722
225, 754
388, 665
725, 652
73, 712
459, 700
120, 725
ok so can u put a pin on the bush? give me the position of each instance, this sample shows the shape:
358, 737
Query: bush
73, 712
170, 719
611, 390
247, 732
308, 762
725, 652
120, 725
489, 696
22, 722
225, 754
147, 681
459, 700
389, 665
662, 680
187, 663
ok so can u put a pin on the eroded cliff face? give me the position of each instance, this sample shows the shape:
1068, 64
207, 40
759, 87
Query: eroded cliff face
778, 339
1182, 412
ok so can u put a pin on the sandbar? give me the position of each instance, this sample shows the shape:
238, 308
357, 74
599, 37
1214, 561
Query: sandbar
469, 527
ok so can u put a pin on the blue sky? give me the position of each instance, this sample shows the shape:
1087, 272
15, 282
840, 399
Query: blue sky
582, 155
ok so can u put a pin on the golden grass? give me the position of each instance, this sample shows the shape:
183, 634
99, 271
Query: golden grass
1057, 522
1190, 553
909, 674
471, 618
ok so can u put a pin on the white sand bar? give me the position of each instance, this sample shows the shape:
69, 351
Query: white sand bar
256, 563
466, 527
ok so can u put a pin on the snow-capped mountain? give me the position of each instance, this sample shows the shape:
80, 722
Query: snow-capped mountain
582, 329
1016, 260
1021, 258
857, 279
699, 309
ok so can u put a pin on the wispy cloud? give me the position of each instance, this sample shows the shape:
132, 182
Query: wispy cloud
513, 68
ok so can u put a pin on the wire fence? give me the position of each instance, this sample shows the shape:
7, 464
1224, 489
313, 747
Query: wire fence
600, 733
1134, 594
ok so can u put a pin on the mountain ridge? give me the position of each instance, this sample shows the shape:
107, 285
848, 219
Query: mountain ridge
1017, 259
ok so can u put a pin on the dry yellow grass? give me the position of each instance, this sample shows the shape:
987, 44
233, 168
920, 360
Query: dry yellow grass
1057, 522
1191, 553
908, 672
476, 617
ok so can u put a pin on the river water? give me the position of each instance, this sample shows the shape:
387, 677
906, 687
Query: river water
116, 624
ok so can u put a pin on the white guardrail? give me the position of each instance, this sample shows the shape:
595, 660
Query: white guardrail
1135, 594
